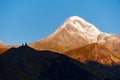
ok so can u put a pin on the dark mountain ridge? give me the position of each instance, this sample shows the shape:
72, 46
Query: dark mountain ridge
25, 63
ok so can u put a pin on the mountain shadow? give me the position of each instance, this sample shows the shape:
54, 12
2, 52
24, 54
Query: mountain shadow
25, 63
113, 70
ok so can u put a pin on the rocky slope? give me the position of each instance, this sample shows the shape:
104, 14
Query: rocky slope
93, 52
110, 41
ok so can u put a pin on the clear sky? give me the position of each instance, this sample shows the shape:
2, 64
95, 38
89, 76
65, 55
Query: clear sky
30, 20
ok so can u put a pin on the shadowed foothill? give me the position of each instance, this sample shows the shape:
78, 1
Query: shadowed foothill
25, 63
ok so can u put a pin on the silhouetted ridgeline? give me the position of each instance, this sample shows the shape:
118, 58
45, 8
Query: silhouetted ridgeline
25, 63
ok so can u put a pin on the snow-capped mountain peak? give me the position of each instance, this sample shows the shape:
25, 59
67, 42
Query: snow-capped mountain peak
77, 26
76, 18
80, 24
74, 32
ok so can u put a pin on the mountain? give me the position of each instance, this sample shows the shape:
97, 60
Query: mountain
76, 32
93, 52
25, 63
4, 48
73, 33
1, 43
111, 41
77, 50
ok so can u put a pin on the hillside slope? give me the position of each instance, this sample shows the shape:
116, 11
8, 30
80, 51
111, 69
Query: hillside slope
25, 63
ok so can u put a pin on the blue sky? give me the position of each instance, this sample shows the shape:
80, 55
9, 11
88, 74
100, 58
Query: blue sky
30, 20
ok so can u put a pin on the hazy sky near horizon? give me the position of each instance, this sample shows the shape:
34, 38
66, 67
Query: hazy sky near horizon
24, 21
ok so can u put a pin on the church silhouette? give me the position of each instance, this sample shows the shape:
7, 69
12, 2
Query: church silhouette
24, 44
